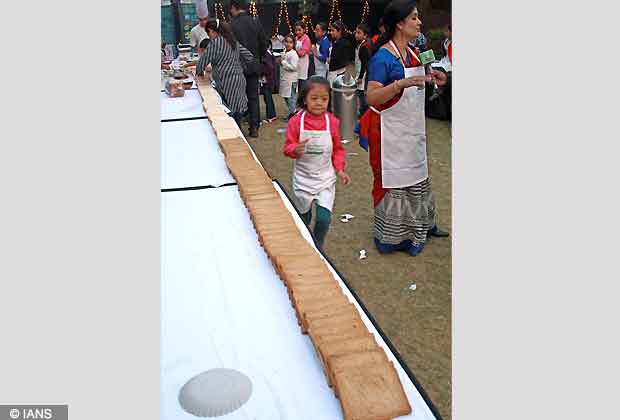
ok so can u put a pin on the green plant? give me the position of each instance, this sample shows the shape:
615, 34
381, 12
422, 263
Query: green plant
435, 34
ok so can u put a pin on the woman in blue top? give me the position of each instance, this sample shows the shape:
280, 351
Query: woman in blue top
394, 128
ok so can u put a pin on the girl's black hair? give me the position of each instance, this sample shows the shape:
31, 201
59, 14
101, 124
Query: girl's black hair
322, 25
310, 83
223, 29
301, 24
395, 12
364, 28
292, 36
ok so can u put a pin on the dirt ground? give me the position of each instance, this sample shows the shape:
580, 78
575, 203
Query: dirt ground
418, 322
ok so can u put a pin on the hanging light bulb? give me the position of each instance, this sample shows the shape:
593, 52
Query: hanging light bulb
331, 13
219, 11
253, 9
365, 10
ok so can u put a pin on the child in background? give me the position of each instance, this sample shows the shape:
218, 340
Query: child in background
267, 84
320, 50
447, 42
381, 26
362, 55
313, 140
342, 54
302, 46
420, 43
288, 74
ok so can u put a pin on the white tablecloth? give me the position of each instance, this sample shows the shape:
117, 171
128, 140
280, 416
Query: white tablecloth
191, 156
222, 305
188, 106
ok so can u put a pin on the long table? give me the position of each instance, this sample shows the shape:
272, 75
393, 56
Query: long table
188, 106
223, 305
190, 155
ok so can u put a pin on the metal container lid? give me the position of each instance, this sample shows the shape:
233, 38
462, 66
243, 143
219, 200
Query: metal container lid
344, 81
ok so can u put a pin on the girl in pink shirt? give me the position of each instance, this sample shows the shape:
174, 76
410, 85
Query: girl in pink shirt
303, 48
313, 140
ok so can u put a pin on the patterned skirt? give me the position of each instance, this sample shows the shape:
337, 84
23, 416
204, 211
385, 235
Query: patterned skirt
405, 214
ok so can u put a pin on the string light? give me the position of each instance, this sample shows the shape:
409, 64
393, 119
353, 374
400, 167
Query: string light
219, 11
306, 19
253, 9
283, 11
337, 13
331, 13
365, 10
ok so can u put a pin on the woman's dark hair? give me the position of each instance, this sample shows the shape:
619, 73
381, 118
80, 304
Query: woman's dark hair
311, 82
364, 28
204, 43
223, 29
339, 25
322, 25
239, 4
345, 36
395, 12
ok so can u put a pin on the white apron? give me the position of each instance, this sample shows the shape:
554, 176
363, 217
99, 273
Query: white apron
286, 88
288, 79
320, 68
358, 68
403, 136
314, 176
302, 65
331, 76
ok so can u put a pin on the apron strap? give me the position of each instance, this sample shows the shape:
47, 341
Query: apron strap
327, 124
413, 55
400, 56
301, 127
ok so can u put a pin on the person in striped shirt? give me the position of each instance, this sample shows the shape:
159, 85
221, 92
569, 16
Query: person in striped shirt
224, 54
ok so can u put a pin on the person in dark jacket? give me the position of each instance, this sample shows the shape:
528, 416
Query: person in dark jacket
249, 34
362, 55
342, 54
268, 70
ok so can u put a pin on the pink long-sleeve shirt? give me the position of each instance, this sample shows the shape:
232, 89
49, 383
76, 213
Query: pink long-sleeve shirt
314, 122
305, 45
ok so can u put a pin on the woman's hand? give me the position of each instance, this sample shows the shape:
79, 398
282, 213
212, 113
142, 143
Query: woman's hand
344, 178
412, 81
300, 149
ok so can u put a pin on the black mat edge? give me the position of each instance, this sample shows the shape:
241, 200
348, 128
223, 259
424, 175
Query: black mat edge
184, 119
198, 187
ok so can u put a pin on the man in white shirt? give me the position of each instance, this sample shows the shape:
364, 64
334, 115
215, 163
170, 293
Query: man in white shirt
198, 32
